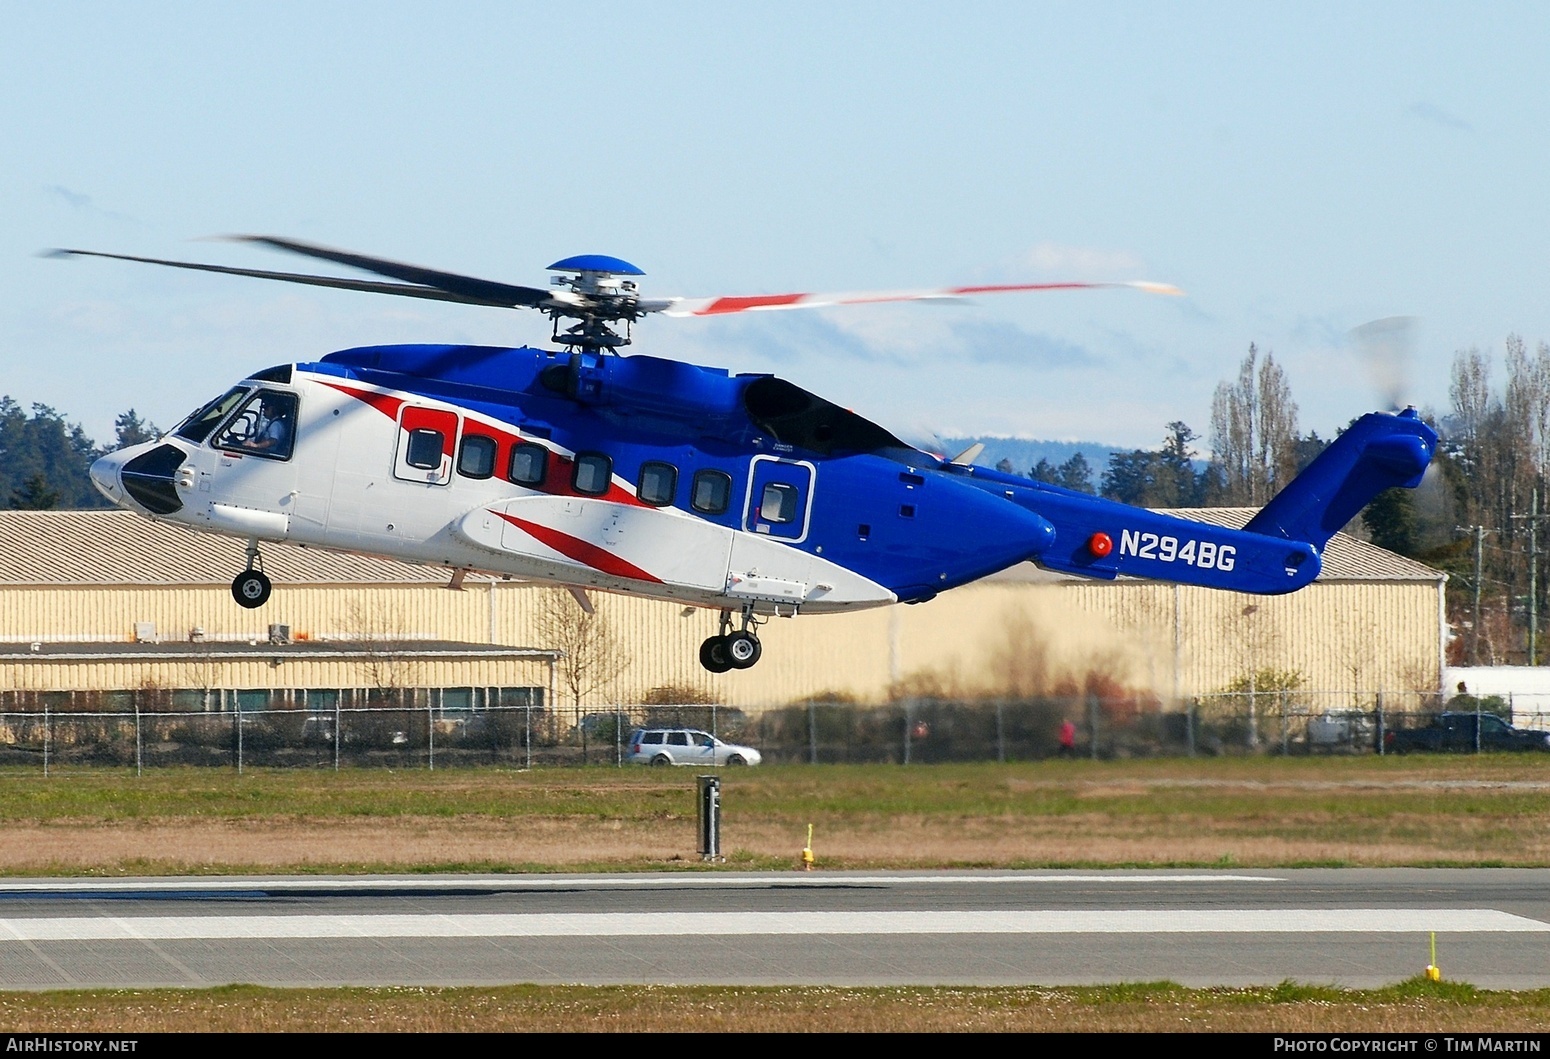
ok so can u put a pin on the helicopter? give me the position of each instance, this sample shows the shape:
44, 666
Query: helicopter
743, 494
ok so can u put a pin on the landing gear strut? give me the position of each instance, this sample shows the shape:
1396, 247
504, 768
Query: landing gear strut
251, 588
733, 650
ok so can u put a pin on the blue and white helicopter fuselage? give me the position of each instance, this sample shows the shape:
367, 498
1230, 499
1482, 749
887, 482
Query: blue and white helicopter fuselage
741, 493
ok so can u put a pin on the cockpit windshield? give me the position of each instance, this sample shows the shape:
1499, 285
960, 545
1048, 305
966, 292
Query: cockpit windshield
198, 426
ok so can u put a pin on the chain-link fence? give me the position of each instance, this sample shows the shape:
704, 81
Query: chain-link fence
448, 728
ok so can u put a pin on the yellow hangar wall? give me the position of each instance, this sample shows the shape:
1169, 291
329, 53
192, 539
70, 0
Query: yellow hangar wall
1000, 635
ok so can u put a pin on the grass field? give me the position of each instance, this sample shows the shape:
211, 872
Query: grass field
1356, 811
1410, 1007
1488, 810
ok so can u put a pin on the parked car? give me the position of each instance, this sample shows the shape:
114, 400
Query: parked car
1341, 728
685, 746
1456, 732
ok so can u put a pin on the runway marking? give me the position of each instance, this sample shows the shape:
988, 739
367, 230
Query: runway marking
201, 887
730, 924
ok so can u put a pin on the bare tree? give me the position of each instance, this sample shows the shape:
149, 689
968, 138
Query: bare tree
381, 632
594, 656
1254, 431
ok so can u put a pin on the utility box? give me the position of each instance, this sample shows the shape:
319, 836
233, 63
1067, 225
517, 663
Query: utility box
710, 817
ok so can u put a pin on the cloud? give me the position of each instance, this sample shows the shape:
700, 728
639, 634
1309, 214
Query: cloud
1434, 114
80, 202
1079, 262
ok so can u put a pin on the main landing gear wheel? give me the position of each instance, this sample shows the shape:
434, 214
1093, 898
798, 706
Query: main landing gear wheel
713, 655
251, 589
742, 649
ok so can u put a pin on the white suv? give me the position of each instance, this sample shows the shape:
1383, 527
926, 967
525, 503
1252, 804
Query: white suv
685, 746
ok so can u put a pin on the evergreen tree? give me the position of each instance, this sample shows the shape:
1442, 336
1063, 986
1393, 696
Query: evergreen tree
34, 495
132, 430
1076, 473
1391, 521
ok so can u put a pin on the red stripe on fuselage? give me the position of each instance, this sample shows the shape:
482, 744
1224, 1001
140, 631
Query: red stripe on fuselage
388, 406
581, 551
558, 482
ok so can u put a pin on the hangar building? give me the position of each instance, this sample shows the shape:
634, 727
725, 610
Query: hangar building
104, 601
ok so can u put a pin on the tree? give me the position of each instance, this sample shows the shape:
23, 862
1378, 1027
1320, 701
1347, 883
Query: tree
130, 429
1254, 432
593, 656
1076, 473
1162, 478
43, 445
1391, 521
35, 495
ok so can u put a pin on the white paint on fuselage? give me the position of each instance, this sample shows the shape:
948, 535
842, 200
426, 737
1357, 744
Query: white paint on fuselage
338, 491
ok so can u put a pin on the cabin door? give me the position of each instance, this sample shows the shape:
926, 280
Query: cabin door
780, 498
427, 438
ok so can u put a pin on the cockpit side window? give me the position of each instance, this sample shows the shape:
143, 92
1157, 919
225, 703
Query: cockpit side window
198, 426
264, 426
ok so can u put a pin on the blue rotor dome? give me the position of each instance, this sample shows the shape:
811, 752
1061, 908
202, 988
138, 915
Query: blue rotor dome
596, 263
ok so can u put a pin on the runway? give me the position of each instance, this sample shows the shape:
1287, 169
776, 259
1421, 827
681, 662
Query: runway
1350, 927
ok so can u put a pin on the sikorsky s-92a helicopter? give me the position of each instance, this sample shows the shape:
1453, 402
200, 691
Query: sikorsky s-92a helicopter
744, 494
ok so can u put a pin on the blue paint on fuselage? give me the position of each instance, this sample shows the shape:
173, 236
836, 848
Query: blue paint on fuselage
891, 513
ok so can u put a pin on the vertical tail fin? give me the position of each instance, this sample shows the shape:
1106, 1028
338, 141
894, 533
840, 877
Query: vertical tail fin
1378, 452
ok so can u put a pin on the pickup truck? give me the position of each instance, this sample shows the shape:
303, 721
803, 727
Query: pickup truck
1456, 732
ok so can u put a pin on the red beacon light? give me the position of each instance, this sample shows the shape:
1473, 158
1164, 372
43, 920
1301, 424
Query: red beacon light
1100, 544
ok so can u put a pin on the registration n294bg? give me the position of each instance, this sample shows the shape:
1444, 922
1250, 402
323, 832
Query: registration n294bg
1207, 555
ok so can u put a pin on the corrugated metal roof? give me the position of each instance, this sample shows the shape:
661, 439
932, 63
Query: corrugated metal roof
1345, 557
122, 548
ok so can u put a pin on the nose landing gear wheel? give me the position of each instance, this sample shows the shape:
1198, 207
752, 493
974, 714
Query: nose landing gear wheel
742, 649
713, 655
251, 589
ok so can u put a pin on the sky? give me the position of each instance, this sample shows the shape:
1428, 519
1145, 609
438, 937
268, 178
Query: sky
1300, 170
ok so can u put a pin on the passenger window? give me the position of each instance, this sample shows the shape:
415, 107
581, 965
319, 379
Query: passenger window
594, 473
658, 482
529, 464
425, 449
779, 503
677, 738
712, 492
651, 737
477, 458
264, 426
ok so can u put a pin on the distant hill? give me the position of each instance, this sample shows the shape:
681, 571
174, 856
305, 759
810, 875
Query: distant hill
1025, 452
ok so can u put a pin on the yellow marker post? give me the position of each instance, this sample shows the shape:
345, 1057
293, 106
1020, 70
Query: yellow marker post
1433, 972
807, 850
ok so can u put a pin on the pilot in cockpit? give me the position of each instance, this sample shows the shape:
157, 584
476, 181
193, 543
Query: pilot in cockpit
272, 433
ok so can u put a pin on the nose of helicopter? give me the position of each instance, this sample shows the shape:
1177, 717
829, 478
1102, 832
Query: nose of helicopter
105, 476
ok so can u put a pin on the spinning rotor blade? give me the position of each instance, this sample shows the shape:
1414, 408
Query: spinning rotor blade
478, 291
765, 302
370, 286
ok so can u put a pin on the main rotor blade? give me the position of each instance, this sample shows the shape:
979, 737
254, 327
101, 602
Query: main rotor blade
765, 302
483, 291
370, 286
